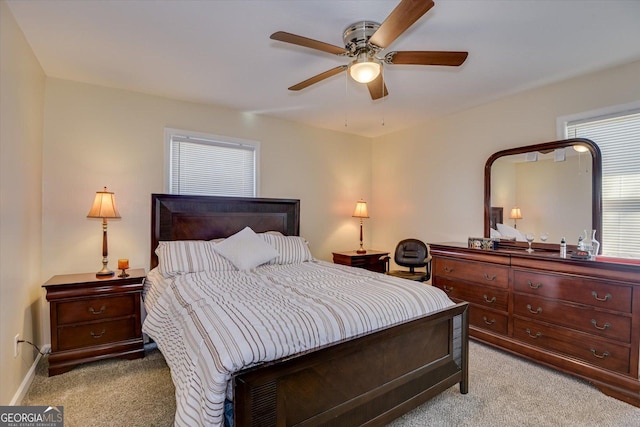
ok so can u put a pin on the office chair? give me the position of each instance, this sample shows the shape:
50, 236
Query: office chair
411, 253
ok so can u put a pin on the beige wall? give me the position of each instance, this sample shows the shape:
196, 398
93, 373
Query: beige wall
95, 137
21, 107
428, 181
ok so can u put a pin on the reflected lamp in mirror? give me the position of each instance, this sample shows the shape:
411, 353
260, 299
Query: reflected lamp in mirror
515, 215
361, 212
104, 206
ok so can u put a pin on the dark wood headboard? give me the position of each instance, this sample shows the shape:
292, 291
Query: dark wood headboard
177, 217
496, 217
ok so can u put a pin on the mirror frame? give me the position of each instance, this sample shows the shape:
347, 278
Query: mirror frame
596, 179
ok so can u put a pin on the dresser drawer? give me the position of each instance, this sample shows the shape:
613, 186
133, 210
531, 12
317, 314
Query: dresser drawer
584, 291
477, 294
595, 351
488, 319
96, 333
574, 316
82, 310
478, 272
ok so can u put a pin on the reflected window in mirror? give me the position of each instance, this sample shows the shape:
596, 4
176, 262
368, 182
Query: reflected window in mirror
618, 137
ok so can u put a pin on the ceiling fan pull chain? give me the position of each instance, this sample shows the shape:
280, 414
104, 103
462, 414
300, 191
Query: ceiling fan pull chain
346, 99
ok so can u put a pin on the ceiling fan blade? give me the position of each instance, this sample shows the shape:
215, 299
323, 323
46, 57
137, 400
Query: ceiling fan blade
400, 19
377, 88
426, 58
319, 77
307, 42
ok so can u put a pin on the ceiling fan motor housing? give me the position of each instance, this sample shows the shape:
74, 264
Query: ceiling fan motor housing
356, 37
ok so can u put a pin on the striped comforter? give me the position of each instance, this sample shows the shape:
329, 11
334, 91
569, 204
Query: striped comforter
209, 325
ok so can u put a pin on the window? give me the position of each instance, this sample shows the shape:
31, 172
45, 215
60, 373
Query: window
618, 136
201, 164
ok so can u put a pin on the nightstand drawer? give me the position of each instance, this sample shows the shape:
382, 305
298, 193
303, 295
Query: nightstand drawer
95, 309
96, 333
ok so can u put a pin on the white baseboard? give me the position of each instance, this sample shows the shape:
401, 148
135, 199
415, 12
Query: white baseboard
28, 379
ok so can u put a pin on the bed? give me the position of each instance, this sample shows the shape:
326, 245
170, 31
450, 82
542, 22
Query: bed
367, 379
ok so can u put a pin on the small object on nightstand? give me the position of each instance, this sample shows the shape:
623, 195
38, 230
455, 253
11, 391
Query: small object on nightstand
123, 264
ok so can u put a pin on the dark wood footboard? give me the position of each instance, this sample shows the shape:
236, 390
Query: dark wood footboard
369, 380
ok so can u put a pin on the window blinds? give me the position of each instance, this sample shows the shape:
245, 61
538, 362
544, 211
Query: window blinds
215, 168
618, 137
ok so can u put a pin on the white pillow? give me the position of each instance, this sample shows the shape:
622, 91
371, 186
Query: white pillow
291, 249
510, 232
494, 234
189, 256
246, 250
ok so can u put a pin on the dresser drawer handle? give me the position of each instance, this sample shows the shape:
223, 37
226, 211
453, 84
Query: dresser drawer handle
487, 321
96, 336
607, 297
490, 301
536, 336
490, 278
448, 269
599, 356
606, 326
447, 289
537, 311
102, 310
534, 286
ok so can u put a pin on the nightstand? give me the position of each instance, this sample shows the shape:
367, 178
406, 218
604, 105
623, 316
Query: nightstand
94, 318
372, 260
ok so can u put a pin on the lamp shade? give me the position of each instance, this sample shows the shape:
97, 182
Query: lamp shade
361, 210
104, 205
515, 213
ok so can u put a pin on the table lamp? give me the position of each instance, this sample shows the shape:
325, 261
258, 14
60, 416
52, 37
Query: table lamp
104, 206
361, 212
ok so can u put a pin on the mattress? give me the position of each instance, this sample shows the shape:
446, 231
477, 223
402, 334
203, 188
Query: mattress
212, 324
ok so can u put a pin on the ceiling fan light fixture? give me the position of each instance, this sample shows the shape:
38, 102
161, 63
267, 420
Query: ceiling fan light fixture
364, 69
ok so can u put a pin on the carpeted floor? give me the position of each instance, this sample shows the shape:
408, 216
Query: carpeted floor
504, 391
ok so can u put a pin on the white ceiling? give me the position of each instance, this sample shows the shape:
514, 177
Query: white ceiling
219, 52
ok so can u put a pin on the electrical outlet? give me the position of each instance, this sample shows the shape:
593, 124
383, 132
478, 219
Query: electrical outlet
16, 348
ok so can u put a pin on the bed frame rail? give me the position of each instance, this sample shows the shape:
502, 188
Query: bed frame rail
369, 380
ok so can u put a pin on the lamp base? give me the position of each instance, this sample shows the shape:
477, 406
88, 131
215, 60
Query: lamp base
104, 273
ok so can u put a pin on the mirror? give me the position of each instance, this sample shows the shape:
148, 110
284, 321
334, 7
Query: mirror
556, 188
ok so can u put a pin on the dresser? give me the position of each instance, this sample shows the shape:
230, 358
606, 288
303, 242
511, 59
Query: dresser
371, 260
94, 318
580, 317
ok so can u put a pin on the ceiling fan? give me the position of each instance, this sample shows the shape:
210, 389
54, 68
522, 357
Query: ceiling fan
365, 40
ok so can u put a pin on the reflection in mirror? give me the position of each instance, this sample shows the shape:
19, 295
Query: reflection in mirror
556, 189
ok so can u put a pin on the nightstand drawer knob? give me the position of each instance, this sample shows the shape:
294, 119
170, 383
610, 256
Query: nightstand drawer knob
96, 336
102, 310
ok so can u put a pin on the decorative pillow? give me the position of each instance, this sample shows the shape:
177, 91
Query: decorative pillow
189, 256
246, 250
291, 249
510, 233
494, 234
